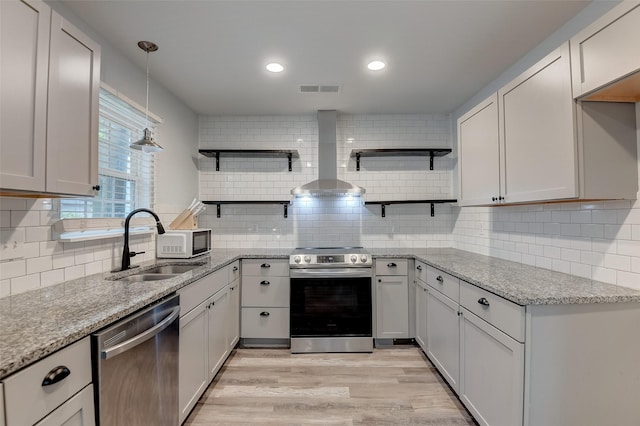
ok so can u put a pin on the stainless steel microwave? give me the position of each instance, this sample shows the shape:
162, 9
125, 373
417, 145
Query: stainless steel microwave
183, 243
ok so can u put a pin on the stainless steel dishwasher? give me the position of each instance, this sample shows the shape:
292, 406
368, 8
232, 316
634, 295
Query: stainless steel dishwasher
135, 368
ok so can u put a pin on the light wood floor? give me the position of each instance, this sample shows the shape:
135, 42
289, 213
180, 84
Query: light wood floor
274, 387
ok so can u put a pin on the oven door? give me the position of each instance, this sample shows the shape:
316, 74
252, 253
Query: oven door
331, 303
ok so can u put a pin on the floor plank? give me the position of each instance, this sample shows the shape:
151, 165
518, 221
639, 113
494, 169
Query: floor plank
272, 386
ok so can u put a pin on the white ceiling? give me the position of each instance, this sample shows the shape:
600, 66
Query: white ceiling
212, 53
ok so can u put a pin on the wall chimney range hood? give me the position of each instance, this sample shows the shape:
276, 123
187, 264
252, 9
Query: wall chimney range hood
327, 184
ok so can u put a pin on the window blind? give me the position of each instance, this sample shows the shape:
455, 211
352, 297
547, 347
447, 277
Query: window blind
125, 176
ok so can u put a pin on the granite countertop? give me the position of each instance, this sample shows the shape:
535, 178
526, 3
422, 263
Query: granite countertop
519, 283
39, 322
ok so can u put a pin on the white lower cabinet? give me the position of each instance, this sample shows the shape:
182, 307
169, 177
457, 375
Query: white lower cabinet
207, 315
218, 349
491, 372
77, 411
2, 405
443, 334
392, 299
233, 317
264, 318
66, 400
420, 289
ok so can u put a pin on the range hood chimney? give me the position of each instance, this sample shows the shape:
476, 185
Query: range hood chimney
327, 184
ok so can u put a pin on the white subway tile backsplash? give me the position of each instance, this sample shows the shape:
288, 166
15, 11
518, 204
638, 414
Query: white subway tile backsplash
25, 283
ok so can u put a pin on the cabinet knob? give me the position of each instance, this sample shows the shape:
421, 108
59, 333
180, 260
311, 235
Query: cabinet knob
235, 268
265, 265
419, 268
379, 280
96, 187
56, 375
264, 283
494, 198
264, 314
440, 279
500, 198
391, 265
483, 301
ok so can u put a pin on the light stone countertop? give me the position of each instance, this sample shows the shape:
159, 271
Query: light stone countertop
39, 322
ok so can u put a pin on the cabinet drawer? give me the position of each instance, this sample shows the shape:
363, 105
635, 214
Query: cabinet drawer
506, 316
391, 266
27, 400
265, 323
234, 271
421, 271
444, 283
196, 292
265, 291
265, 267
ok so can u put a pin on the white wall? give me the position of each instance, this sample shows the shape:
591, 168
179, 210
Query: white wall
323, 221
30, 258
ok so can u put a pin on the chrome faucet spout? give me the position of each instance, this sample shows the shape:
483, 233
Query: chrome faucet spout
126, 254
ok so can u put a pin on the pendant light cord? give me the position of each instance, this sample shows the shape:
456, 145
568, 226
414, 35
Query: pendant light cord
146, 111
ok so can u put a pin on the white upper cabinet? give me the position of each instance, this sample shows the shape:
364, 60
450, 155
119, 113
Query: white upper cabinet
550, 146
537, 122
50, 75
24, 63
479, 154
608, 51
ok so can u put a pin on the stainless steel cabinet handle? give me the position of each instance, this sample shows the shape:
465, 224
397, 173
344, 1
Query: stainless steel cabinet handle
483, 301
56, 375
265, 265
142, 337
264, 314
439, 278
391, 265
264, 283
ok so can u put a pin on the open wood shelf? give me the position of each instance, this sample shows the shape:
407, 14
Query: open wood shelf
285, 203
432, 202
397, 152
216, 153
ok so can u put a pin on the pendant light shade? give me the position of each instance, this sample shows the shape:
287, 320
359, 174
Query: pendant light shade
147, 144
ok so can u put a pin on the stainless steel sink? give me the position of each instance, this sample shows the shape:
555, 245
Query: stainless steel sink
147, 277
171, 269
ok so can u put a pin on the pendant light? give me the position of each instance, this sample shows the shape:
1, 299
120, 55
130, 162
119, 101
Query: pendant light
147, 144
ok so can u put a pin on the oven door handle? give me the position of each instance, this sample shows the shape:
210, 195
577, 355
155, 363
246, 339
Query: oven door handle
330, 273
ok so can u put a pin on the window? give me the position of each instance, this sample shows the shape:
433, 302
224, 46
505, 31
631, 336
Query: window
125, 175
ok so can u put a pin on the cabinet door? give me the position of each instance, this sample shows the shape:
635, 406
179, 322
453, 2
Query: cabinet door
76, 411
479, 154
392, 307
491, 373
72, 125
606, 51
443, 336
218, 307
421, 315
24, 61
537, 133
193, 360
233, 317
1, 405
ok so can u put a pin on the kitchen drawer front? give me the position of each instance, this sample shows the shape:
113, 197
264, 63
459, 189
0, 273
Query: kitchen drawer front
444, 283
265, 291
198, 291
421, 271
265, 323
234, 271
27, 400
265, 267
506, 316
391, 266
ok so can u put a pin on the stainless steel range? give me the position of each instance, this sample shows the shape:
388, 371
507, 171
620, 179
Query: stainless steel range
331, 300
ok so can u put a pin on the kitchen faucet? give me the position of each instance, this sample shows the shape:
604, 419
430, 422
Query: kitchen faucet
126, 254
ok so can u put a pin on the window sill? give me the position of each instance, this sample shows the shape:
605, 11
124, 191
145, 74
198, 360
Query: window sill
74, 230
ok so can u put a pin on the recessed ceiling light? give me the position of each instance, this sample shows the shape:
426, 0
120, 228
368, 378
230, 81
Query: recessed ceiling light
376, 65
275, 67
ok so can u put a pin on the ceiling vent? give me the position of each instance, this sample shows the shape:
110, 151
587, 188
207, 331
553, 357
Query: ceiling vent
319, 88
